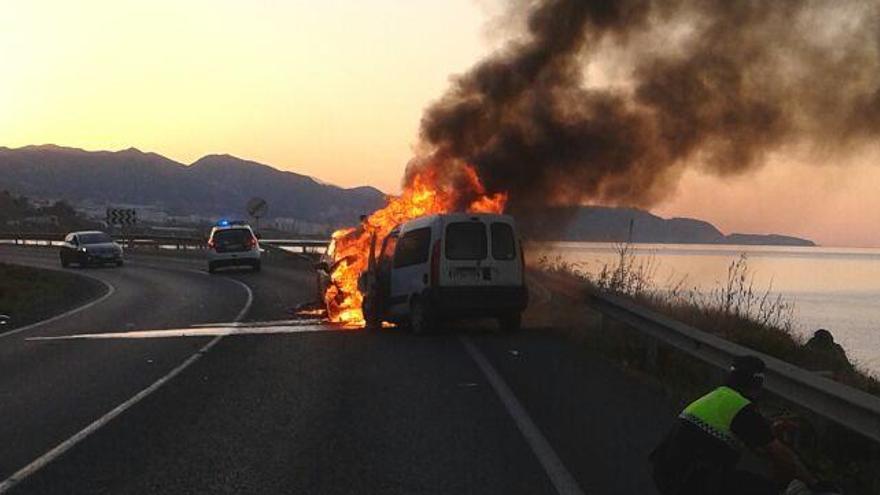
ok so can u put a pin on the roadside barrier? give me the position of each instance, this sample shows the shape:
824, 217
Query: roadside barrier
844, 405
151, 241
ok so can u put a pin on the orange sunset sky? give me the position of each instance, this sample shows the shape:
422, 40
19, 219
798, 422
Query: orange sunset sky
333, 89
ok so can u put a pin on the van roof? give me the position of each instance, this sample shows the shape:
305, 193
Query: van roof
454, 217
465, 215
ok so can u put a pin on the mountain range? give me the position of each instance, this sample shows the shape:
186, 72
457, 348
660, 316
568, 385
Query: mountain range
212, 185
604, 224
221, 185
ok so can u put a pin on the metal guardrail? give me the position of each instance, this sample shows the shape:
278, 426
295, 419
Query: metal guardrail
844, 405
31, 237
152, 240
298, 242
305, 246
53, 238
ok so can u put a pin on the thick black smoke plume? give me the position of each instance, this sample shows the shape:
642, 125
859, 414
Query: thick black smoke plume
716, 84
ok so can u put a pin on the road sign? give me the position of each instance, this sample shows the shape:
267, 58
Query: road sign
257, 207
121, 216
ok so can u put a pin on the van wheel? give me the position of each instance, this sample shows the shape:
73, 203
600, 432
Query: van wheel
420, 319
372, 324
510, 323
64, 262
371, 315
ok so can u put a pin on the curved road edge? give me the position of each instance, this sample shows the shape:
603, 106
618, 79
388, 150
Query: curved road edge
88, 304
45, 459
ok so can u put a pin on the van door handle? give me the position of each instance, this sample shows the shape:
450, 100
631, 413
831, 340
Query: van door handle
425, 279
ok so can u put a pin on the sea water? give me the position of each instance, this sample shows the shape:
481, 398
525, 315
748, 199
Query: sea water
833, 288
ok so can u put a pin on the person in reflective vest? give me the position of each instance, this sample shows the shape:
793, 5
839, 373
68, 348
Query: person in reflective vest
701, 452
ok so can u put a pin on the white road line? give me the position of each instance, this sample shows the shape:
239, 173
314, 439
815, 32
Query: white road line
562, 480
110, 291
66, 445
212, 331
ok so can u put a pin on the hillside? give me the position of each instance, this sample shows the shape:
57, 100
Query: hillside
213, 185
602, 224
218, 185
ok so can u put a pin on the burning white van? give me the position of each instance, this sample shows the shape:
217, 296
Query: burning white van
445, 267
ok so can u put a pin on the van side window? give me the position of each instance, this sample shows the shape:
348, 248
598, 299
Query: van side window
466, 241
388, 248
412, 248
503, 243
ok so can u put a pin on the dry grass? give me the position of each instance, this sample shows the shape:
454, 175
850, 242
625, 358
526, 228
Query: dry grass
735, 310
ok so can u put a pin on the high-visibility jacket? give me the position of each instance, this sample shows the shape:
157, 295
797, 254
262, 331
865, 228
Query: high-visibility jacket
714, 413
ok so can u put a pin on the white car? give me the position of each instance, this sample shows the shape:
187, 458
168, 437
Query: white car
443, 267
233, 244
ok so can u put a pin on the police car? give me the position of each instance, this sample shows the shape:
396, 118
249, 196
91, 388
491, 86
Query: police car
233, 243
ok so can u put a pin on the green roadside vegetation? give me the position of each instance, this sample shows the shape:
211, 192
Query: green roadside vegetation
28, 294
735, 310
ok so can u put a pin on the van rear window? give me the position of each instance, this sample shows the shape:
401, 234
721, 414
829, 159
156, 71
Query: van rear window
412, 248
503, 243
466, 241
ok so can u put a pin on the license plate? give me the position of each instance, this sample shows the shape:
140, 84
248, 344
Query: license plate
460, 274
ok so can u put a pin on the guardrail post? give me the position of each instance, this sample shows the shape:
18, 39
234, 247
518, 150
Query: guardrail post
651, 353
853, 409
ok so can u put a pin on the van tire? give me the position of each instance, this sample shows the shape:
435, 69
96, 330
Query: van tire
510, 323
372, 321
421, 321
372, 324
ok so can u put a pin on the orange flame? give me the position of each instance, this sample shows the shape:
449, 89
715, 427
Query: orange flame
429, 192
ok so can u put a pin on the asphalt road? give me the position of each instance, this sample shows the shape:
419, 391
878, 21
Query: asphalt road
333, 411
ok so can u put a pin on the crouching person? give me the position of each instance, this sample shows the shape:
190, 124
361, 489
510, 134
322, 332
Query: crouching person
700, 454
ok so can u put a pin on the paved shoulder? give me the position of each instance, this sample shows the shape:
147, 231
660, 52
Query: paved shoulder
330, 412
602, 421
53, 389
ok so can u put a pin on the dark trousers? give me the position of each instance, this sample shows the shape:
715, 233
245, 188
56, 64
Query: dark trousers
710, 482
